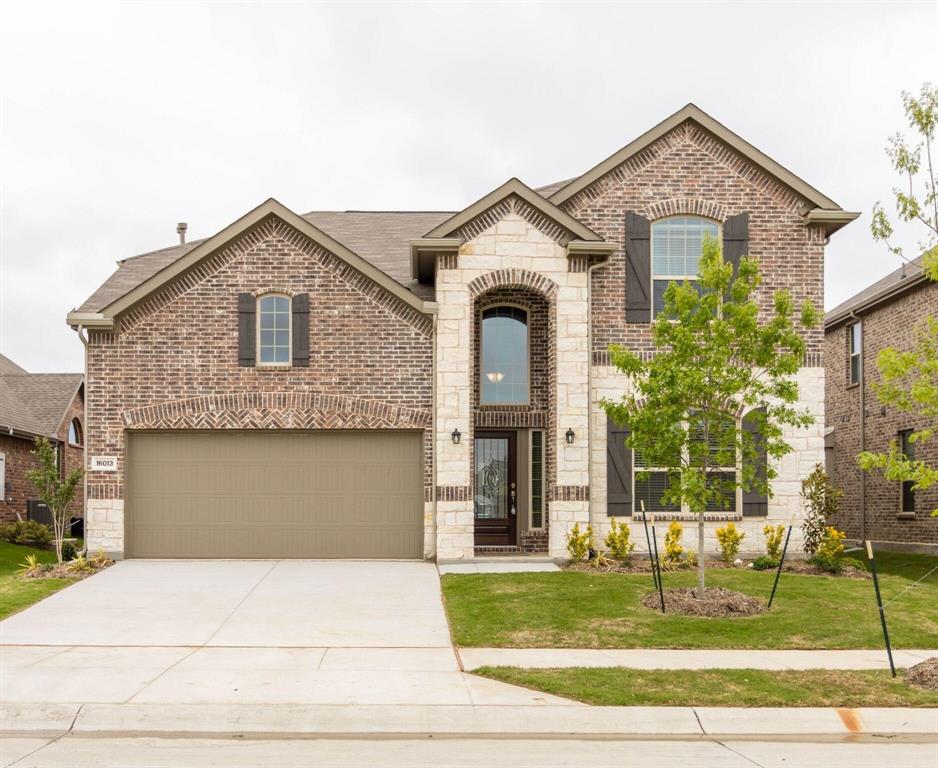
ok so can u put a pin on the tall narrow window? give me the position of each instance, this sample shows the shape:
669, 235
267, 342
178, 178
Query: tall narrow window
855, 333
676, 244
273, 330
74, 432
908, 450
504, 357
537, 479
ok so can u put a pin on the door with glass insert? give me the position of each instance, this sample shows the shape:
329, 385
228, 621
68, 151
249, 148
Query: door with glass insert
495, 489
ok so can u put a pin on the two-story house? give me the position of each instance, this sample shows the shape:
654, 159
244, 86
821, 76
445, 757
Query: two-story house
425, 384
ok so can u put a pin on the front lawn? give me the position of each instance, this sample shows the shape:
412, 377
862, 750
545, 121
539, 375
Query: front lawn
720, 687
601, 610
17, 593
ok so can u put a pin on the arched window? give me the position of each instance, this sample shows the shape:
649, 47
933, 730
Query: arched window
74, 432
504, 356
676, 244
273, 330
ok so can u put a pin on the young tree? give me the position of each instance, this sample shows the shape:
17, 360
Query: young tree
715, 362
910, 377
52, 488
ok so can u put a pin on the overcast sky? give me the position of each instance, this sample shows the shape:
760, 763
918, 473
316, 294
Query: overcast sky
119, 120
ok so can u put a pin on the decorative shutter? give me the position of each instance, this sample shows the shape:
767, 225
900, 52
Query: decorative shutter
618, 471
247, 330
736, 239
755, 503
637, 268
300, 309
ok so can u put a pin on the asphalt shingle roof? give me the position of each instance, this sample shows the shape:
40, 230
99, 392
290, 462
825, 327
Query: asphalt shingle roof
34, 402
904, 274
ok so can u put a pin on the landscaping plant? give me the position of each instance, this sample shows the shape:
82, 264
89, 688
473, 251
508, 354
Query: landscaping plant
821, 501
619, 541
830, 550
56, 491
27, 533
763, 563
715, 360
773, 541
579, 543
729, 538
673, 549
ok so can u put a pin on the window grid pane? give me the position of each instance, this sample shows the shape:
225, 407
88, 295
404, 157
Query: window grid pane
676, 244
274, 341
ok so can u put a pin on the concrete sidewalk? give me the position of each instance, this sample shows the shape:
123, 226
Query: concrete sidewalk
651, 658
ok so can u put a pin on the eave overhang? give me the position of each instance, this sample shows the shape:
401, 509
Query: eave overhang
424, 252
830, 219
832, 320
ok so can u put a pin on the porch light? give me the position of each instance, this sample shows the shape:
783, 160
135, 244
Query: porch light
495, 376
456, 435
570, 435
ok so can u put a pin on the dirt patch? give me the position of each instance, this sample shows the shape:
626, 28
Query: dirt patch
717, 602
801, 567
924, 674
67, 570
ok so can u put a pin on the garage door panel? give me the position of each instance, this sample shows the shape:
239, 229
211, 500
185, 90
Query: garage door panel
275, 494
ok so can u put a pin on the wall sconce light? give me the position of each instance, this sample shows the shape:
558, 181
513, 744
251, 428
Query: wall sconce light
456, 435
570, 435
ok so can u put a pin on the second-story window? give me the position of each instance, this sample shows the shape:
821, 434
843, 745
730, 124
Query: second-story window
676, 244
273, 330
907, 447
504, 356
855, 336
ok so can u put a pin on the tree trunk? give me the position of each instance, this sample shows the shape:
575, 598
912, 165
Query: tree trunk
58, 531
700, 555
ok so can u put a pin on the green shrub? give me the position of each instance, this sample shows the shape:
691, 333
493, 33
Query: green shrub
68, 551
26, 532
579, 542
730, 538
821, 500
852, 562
829, 564
673, 549
764, 563
831, 545
773, 540
619, 541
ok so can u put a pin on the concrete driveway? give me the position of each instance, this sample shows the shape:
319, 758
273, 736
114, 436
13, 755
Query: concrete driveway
236, 632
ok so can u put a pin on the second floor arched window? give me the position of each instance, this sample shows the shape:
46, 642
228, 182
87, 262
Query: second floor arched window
504, 356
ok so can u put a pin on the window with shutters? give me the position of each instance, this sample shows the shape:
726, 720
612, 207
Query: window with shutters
537, 479
273, 330
907, 448
676, 245
855, 341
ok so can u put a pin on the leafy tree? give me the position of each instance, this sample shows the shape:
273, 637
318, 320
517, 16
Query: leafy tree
820, 500
910, 377
52, 488
715, 361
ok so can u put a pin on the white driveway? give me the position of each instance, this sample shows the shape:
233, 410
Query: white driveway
244, 632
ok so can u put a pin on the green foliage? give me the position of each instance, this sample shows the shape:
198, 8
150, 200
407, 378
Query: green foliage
715, 358
31, 565
764, 563
729, 538
673, 549
68, 551
821, 501
619, 541
26, 532
56, 491
579, 542
832, 543
80, 564
773, 540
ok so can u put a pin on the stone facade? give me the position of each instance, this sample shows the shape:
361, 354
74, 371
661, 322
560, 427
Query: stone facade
890, 324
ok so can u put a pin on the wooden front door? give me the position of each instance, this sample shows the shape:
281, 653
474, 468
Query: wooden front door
495, 489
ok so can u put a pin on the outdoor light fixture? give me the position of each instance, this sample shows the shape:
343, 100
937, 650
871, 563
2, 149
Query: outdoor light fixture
456, 436
570, 435
495, 376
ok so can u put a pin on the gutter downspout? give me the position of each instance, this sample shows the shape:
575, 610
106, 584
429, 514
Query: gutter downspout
434, 440
83, 336
589, 382
856, 319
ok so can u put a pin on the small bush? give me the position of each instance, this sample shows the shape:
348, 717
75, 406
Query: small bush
579, 542
100, 559
831, 545
31, 565
26, 532
828, 564
619, 541
672, 543
690, 558
773, 540
68, 551
852, 562
80, 564
821, 500
729, 538
764, 563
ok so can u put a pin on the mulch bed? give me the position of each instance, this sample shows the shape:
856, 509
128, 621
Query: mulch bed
924, 674
642, 565
61, 571
717, 602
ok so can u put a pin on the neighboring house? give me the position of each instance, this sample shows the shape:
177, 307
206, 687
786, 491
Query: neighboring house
37, 405
884, 315
425, 384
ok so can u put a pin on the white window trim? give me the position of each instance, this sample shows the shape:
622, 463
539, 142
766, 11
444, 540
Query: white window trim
527, 324
858, 354
651, 251
257, 339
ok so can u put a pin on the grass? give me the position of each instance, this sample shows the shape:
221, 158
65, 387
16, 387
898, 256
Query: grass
17, 593
619, 686
601, 610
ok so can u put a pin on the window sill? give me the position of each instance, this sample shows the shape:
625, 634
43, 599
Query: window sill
853, 386
686, 517
905, 516
275, 367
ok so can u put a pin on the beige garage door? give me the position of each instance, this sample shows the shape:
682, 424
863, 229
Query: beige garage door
274, 494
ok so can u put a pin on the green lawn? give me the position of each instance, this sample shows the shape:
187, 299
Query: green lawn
601, 610
17, 593
720, 687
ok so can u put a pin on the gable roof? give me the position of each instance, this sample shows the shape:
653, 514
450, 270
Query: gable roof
518, 188
8, 366
36, 403
898, 281
701, 118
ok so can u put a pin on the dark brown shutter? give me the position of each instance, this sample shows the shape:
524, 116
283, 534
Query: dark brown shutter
247, 329
736, 239
300, 308
637, 268
756, 503
618, 471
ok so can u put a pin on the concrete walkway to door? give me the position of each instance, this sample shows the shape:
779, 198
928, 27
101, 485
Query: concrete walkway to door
244, 632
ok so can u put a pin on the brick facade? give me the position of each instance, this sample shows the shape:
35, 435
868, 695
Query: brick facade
890, 324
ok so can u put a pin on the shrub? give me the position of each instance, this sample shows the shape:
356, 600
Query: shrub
829, 564
619, 541
729, 538
821, 501
68, 551
672, 543
764, 563
579, 543
26, 532
773, 540
831, 545
80, 564
852, 562
100, 559
30, 566
690, 558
